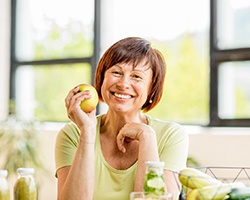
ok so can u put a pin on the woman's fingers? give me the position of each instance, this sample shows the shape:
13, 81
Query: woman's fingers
70, 95
120, 142
74, 97
127, 133
133, 131
73, 101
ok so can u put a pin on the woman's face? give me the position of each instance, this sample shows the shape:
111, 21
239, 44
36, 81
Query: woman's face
125, 88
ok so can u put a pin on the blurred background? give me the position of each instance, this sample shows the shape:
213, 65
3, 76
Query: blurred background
48, 47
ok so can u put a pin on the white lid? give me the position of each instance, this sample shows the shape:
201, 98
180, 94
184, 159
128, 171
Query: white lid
155, 164
3, 172
25, 170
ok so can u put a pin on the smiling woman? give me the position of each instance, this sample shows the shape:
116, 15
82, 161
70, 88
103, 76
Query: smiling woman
105, 155
146, 66
127, 85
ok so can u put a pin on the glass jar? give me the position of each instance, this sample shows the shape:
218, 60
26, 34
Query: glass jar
25, 186
154, 183
4, 187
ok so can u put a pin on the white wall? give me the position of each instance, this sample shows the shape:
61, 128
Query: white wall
221, 146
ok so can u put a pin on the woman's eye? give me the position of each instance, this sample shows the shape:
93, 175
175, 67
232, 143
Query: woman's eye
136, 76
116, 72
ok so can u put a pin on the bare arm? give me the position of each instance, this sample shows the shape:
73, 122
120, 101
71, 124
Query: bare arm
76, 182
148, 150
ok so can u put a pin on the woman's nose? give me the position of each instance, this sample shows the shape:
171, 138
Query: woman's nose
123, 82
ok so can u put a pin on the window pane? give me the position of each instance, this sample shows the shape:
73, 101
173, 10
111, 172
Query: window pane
41, 90
233, 24
54, 29
181, 34
234, 93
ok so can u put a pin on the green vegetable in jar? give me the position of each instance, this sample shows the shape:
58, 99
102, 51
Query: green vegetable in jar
25, 189
154, 184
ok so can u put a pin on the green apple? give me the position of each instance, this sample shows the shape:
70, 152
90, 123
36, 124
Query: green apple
88, 105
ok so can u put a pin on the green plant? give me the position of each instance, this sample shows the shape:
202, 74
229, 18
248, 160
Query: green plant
19, 144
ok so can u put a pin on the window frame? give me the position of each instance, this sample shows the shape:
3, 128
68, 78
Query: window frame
218, 56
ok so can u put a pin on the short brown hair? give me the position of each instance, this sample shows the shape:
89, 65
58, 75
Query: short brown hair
134, 50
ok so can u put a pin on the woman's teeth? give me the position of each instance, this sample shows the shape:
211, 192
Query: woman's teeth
122, 96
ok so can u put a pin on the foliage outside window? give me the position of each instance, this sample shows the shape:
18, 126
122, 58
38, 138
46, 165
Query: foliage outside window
185, 98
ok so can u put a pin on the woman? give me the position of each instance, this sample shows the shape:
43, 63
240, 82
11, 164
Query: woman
103, 157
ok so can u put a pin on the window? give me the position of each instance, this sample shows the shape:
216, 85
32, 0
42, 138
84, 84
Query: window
53, 49
56, 45
230, 63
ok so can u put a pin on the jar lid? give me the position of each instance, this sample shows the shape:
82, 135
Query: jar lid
155, 164
3, 172
25, 170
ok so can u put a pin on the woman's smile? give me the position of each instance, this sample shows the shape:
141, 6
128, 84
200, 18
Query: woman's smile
122, 96
125, 84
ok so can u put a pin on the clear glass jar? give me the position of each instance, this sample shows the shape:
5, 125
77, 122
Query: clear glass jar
4, 187
154, 183
25, 186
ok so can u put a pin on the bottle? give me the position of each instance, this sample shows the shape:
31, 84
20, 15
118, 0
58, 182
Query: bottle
4, 187
154, 184
25, 186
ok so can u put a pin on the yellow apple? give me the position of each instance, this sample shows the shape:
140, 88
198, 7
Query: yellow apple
88, 105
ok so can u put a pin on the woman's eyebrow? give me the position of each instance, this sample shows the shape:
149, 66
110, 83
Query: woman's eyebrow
143, 70
139, 71
117, 65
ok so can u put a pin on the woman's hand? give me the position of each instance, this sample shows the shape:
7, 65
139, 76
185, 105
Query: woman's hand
133, 131
75, 113
148, 150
